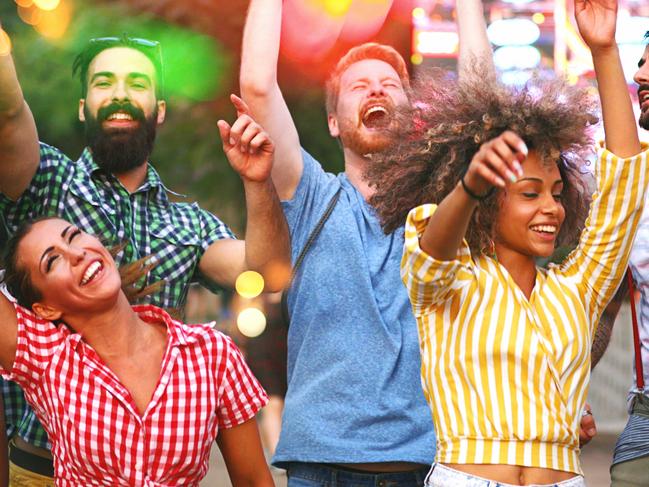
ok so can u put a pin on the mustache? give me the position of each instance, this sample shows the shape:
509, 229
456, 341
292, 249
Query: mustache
135, 113
642, 87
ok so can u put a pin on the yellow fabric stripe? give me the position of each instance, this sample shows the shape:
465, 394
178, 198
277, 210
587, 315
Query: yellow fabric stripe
505, 377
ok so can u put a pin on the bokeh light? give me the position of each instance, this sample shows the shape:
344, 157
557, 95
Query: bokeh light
53, 24
47, 4
335, 8
30, 15
364, 19
416, 58
251, 322
538, 18
418, 13
5, 43
249, 284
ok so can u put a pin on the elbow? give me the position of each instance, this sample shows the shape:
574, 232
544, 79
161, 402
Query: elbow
256, 89
276, 274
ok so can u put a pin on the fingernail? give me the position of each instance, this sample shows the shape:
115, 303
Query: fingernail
518, 168
523, 148
252, 151
231, 141
500, 182
243, 149
512, 177
591, 431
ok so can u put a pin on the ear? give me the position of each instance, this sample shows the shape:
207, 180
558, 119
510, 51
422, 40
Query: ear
82, 104
332, 121
162, 111
46, 312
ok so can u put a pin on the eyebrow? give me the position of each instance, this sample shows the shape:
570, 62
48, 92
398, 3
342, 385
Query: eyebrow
108, 74
538, 180
49, 249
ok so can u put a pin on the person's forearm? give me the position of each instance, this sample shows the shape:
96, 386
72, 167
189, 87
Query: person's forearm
11, 95
268, 248
260, 52
619, 120
474, 43
448, 225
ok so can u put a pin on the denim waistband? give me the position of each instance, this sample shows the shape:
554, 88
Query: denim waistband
443, 476
335, 475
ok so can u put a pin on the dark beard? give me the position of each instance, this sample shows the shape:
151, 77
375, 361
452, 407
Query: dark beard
119, 151
643, 121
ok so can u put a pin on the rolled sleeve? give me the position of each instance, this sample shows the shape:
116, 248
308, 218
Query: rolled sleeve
430, 281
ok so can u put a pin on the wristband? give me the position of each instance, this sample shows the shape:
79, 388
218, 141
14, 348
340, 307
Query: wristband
473, 195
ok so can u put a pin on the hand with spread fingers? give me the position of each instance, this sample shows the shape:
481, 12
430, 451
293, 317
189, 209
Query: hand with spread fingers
247, 146
596, 20
497, 161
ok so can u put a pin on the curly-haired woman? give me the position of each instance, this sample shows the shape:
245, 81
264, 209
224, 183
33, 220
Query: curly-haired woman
505, 345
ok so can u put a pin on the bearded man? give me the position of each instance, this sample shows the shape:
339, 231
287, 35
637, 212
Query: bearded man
113, 192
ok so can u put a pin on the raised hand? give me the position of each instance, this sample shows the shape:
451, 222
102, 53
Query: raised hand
246, 145
596, 20
497, 161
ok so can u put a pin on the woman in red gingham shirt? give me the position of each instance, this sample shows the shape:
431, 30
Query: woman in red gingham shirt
128, 395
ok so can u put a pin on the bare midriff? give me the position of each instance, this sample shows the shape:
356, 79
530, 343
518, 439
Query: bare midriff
513, 474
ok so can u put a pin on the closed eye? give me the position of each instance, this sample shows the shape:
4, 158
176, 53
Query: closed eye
50, 261
74, 234
530, 195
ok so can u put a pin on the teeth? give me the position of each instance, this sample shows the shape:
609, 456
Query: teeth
90, 272
120, 116
375, 109
545, 228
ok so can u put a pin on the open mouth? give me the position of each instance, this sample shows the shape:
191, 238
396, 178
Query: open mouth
376, 116
92, 271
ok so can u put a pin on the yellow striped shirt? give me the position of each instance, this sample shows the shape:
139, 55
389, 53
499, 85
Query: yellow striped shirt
506, 378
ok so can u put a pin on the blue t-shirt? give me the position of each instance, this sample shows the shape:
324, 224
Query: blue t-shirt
354, 388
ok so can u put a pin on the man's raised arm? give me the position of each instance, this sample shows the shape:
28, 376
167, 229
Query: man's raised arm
260, 90
19, 152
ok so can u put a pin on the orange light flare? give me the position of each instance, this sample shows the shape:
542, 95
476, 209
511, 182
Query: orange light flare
30, 15
53, 24
5, 43
24, 3
364, 19
311, 27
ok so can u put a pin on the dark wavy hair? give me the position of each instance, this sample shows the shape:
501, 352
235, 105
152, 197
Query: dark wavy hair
450, 119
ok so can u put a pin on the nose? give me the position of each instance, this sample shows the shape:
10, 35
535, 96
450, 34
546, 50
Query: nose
641, 76
376, 88
120, 92
550, 206
75, 254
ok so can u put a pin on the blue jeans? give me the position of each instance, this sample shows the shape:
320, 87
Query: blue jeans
323, 475
443, 476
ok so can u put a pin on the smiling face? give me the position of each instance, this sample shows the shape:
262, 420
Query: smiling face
531, 213
120, 110
73, 271
641, 77
368, 94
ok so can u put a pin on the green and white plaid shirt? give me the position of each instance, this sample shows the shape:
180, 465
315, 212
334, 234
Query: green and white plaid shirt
177, 234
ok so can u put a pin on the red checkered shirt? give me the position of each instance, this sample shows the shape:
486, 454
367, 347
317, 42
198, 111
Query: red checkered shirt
97, 435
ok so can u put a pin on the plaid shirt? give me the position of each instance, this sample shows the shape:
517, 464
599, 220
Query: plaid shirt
98, 436
176, 233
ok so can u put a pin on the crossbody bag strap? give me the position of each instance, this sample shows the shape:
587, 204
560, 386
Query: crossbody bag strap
298, 262
639, 375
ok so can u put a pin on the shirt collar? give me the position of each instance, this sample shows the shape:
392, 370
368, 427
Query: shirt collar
152, 181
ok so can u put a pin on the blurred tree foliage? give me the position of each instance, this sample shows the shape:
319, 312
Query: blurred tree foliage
200, 70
